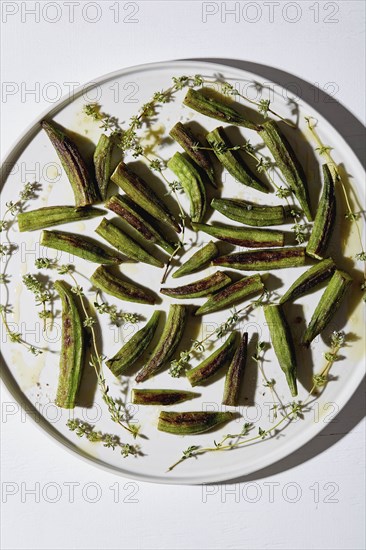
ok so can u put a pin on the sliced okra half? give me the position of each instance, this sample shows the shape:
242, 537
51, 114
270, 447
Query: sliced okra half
200, 288
209, 366
168, 343
48, 216
264, 260
198, 261
106, 281
243, 236
312, 277
250, 214
130, 352
235, 373
102, 163
192, 422
85, 189
161, 397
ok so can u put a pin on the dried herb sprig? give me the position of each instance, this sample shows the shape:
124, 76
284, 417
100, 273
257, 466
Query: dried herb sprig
43, 296
111, 441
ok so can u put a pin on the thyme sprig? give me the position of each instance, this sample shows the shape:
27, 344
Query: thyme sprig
292, 411
111, 441
43, 295
116, 316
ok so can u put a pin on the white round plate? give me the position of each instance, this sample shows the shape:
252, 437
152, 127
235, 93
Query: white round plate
33, 380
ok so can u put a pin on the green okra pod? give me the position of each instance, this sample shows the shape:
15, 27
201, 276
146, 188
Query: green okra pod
184, 136
192, 422
168, 343
232, 294
77, 245
134, 348
264, 260
48, 216
102, 163
192, 183
200, 288
125, 244
209, 366
250, 214
234, 375
311, 278
85, 189
198, 261
242, 236
161, 397
287, 163
324, 218
136, 218
72, 348
213, 108
108, 282
139, 191
232, 160
282, 343
328, 305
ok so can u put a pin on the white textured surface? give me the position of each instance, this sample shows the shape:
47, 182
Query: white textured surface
326, 477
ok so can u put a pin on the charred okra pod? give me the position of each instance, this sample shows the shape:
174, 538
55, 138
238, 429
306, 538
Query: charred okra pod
161, 397
72, 348
77, 245
232, 294
310, 279
185, 423
168, 343
183, 135
242, 236
232, 160
125, 244
85, 189
31, 220
282, 343
106, 281
216, 109
199, 260
213, 363
134, 348
287, 162
264, 260
136, 218
192, 184
102, 163
200, 288
138, 190
234, 375
250, 214
324, 218
328, 305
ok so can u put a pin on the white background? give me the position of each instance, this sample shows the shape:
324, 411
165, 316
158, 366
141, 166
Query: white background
312, 499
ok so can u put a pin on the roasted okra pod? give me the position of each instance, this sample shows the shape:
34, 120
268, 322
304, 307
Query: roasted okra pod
213, 108
287, 162
200, 288
106, 281
85, 189
102, 163
183, 135
242, 236
161, 397
232, 160
198, 261
134, 348
125, 244
76, 245
234, 375
282, 343
48, 216
264, 260
213, 363
168, 343
324, 218
192, 422
72, 348
232, 294
311, 278
136, 218
139, 191
250, 214
192, 183
328, 305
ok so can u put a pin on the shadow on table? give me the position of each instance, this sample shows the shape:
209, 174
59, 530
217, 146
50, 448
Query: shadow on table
353, 132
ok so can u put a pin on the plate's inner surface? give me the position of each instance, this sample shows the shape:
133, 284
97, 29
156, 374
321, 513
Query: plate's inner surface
36, 377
